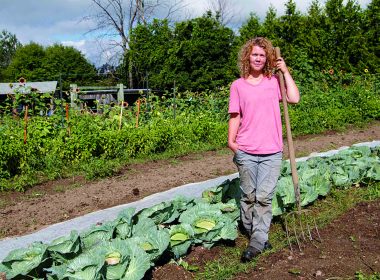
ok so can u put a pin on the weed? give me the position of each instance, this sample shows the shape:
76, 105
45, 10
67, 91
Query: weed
59, 189
174, 161
361, 276
3, 203
219, 172
3, 233
75, 185
222, 152
373, 192
302, 153
35, 194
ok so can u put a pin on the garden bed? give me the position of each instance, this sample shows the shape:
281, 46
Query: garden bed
61, 200
191, 166
350, 244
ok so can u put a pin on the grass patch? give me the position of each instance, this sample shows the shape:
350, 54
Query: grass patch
3, 233
219, 172
35, 194
75, 186
59, 189
324, 211
222, 152
361, 276
3, 203
174, 161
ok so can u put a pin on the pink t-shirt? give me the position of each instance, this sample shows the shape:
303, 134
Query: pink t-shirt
260, 130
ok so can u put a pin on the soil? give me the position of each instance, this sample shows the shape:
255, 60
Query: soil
64, 199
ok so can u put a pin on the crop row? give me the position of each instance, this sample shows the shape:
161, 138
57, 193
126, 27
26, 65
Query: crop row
47, 148
127, 247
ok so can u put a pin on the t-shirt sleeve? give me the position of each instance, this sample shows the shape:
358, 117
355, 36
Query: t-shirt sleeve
234, 104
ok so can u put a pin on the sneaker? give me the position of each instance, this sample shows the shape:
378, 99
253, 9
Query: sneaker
249, 254
252, 252
267, 246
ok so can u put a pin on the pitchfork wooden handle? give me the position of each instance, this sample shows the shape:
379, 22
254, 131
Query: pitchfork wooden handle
289, 138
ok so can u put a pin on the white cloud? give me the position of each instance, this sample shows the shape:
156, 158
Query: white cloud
98, 52
244, 7
76, 44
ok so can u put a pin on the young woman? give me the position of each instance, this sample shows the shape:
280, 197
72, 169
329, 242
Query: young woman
255, 136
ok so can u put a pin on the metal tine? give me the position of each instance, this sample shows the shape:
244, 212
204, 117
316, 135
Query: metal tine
316, 229
287, 233
296, 236
307, 225
294, 229
296, 219
311, 238
301, 224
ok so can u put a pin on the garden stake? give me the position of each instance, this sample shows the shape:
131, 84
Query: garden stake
26, 124
67, 119
296, 216
121, 111
137, 113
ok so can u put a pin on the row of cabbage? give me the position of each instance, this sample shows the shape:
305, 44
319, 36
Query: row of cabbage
317, 175
129, 246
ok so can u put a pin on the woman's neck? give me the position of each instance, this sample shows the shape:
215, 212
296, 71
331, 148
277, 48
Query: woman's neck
256, 74
255, 78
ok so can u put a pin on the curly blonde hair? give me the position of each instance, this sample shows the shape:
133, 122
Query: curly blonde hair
245, 52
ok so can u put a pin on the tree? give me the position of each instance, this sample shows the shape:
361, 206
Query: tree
68, 62
26, 62
150, 46
346, 42
372, 34
36, 63
250, 29
271, 24
8, 46
314, 37
116, 19
200, 54
291, 27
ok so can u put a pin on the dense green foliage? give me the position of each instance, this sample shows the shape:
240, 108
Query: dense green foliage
8, 45
201, 53
37, 63
98, 144
194, 53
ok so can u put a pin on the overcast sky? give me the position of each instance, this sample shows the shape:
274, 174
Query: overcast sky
60, 21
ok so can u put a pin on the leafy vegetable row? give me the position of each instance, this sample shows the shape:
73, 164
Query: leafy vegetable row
127, 247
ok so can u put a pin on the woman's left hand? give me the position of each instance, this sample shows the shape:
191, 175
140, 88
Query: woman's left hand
280, 64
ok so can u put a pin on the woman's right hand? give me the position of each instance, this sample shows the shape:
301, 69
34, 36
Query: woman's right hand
233, 126
233, 146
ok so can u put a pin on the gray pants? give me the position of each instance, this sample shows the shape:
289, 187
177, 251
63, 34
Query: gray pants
258, 178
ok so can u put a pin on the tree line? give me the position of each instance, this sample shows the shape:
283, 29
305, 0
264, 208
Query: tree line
198, 54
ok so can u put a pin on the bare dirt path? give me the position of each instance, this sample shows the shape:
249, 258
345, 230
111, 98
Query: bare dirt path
65, 199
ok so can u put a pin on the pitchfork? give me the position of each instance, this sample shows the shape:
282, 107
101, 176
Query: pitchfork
295, 216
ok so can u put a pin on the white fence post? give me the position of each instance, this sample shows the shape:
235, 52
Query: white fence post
73, 95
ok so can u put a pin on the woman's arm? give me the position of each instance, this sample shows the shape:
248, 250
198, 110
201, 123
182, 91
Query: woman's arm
292, 92
233, 126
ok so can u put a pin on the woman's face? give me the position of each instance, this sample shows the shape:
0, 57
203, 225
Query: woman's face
257, 59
